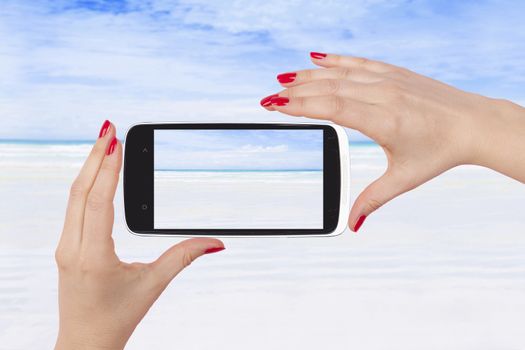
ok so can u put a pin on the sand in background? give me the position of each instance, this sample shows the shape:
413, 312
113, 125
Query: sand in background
442, 267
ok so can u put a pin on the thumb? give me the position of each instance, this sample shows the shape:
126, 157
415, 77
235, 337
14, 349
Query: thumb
373, 197
181, 255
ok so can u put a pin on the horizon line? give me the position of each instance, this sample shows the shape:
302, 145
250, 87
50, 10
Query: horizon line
92, 141
237, 170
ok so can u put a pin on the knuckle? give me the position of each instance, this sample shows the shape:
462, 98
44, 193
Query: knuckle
95, 201
345, 73
373, 204
77, 190
336, 109
186, 258
61, 258
301, 103
108, 166
501, 101
99, 149
332, 86
338, 59
291, 92
337, 106
407, 73
394, 75
362, 61
389, 86
394, 90
306, 75
399, 73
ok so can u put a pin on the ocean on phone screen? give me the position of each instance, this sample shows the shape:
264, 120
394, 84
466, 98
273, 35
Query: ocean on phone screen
452, 247
233, 179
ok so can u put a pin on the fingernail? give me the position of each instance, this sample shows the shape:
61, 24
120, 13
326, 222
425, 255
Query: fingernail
359, 222
104, 129
317, 55
265, 102
112, 146
286, 77
213, 250
279, 101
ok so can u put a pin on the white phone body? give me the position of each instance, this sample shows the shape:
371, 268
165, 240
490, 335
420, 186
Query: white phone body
344, 201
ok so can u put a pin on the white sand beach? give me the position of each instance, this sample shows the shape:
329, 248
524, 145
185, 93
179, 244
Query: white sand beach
442, 267
268, 199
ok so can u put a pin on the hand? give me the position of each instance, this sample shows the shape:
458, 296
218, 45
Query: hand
424, 126
101, 298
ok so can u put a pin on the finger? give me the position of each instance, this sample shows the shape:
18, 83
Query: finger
343, 111
375, 196
98, 219
331, 60
266, 102
74, 220
308, 75
369, 93
181, 255
329, 80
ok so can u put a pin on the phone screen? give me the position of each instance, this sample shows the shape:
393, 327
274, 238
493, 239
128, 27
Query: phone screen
238, 179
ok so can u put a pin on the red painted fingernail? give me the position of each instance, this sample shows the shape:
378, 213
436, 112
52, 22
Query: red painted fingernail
317, 55
213, 250
104, 129
286, 78
112, 146
265, 102
279, 101
359, 222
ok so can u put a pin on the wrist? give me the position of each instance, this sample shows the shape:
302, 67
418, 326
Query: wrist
498, 137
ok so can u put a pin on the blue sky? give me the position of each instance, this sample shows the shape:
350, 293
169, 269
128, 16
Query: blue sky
65, 66
239, 149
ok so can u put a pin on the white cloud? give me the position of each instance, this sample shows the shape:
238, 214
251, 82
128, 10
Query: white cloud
263, 149
63, 71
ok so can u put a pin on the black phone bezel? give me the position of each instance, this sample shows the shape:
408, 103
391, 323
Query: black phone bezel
139, 186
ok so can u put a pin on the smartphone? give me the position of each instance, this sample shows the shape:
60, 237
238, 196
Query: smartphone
236, 179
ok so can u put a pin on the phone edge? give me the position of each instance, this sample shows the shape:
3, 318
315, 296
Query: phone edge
344, 200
